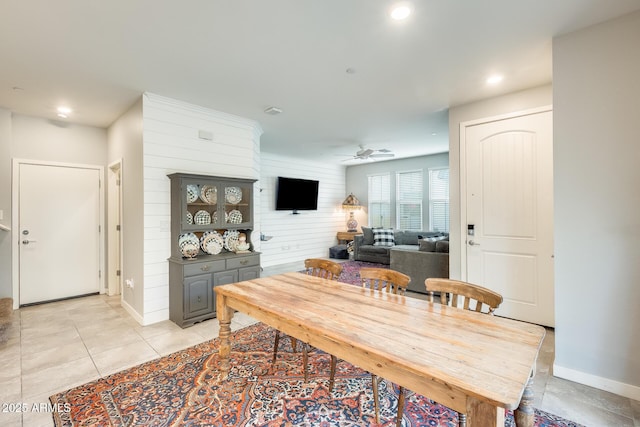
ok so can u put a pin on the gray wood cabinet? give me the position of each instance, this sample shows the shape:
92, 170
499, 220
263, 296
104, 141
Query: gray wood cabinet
203, 205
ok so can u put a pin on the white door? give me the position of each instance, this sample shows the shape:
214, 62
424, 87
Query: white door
59, 218
114, 221
509, 215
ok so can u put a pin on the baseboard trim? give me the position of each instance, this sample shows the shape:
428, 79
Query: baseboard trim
132, 312
606, 384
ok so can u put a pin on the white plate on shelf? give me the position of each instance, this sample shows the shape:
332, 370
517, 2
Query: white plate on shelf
215, 217
192, 193
188, 238
209, 194
235, 217
211, 242
189, 218
202, 218
189, 250
231, 240
233, 194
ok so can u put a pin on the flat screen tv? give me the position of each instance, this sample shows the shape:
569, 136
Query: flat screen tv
294, 194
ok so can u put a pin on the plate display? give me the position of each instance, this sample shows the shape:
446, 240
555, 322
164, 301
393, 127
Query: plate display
192, 193
231, 240
235, 217
233, 195
189, 218
209, 194
202, 218
189, 245
211, 242
215, 217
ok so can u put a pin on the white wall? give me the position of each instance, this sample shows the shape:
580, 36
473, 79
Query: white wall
310, 233
171, 144
597, 203
357, 181
518, 101
6, 288
125, 145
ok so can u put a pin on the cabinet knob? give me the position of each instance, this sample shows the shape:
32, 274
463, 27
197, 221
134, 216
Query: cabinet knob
205, 267
199, 298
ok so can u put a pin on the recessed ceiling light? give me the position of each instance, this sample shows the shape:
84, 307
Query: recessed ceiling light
64, 110
495, 79
400, 11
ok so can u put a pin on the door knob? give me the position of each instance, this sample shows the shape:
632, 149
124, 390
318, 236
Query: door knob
26, 242
472, 243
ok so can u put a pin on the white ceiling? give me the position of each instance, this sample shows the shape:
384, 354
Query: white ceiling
242, 56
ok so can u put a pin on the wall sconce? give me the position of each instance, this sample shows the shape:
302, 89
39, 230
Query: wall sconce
351, 204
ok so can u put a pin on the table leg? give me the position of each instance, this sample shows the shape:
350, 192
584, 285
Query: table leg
224, 314
483, 414
524, 415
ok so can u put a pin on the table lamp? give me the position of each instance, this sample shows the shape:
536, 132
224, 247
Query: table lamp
351, 204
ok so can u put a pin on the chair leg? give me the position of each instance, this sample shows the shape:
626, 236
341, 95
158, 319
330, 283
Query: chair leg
462, 420
401, 397
332, 375
275, 346
305, 359
376, 406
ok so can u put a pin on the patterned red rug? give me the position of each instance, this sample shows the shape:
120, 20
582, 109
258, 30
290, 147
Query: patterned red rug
182, 389
350, 271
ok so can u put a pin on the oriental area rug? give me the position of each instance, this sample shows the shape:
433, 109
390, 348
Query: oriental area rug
183, 389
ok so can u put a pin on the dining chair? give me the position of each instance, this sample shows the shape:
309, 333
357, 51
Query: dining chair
390, 281
452, 291
320, 268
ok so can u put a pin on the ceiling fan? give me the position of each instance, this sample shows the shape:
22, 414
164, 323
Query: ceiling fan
371, 154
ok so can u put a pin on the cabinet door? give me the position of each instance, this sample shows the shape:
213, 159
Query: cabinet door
198, 296
238, 204
248, 273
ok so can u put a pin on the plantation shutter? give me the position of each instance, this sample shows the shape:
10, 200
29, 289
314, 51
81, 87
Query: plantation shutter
379, 199
439, 199
409, 200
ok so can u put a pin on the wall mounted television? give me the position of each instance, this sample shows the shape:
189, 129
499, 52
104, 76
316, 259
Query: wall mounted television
294, 194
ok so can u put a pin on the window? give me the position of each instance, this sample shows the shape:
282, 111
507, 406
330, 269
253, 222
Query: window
439, 199
379, 195
409, 200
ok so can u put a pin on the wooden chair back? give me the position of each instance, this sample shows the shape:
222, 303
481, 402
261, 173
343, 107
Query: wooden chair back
451, 291
384, 280
323, 268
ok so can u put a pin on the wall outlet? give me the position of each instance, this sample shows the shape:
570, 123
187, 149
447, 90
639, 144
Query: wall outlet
129, 283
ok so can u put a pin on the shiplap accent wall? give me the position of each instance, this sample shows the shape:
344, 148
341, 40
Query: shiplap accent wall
171, 144
310, 233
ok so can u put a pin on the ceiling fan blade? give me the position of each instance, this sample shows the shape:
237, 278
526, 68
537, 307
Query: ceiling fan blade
379, 156
383, 150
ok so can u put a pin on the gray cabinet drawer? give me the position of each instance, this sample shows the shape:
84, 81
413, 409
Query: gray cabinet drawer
244, 261
225, 277
204, 267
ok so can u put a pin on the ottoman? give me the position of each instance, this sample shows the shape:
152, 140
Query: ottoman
338, 252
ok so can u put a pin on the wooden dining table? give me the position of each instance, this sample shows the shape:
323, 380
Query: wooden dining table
473, 363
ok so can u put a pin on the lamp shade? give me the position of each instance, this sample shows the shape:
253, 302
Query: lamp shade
351, 203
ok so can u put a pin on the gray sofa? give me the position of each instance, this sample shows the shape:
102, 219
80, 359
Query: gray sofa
419, 254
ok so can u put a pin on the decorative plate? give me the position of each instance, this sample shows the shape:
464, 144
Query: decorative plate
233, 194
235, 217
231, 240
209, 194
211, 242
189, 218
215, 217
188, 237
192, 193
202, 218
189, 250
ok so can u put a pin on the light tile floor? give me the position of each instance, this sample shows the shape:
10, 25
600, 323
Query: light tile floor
56, 346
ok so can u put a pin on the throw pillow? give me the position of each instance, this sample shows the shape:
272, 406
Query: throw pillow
442, 246
427, 246
383, 237
367, 236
